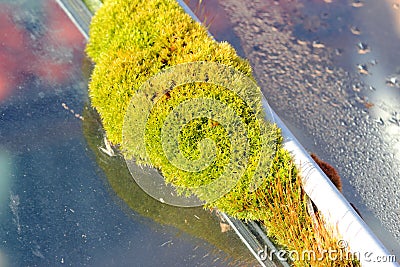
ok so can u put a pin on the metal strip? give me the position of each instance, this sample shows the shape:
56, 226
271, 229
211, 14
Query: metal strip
79, 14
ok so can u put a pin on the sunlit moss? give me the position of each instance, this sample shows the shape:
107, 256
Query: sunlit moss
129, 53
131, 41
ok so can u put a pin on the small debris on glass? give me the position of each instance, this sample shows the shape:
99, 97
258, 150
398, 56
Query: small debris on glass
167, 243
77, 115
224, 227
108, 149
368, 105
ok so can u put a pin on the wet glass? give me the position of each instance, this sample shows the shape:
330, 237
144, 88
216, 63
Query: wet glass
56, 205
330, 70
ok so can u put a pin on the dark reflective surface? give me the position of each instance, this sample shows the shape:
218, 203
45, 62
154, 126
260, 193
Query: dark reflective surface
56, 206
330, 69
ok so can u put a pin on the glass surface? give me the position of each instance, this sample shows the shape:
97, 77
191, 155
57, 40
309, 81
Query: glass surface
56, 205
330, 70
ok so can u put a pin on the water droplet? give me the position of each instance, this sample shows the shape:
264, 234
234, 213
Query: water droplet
355, 30
380, 121
301, 42
373, 62
393, 81
363, 69
338, 51
357, 3
324, 98
317, 44
335, 103
363, 48
356, 87
394, 121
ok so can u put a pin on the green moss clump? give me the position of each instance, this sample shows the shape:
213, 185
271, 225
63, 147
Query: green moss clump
127, 54
129, 45
132, 41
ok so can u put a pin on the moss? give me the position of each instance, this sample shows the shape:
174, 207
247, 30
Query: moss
129, 53
130, 42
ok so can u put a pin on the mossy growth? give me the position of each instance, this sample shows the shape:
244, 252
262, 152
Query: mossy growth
132, 41
159, 34
129, 45
197, 222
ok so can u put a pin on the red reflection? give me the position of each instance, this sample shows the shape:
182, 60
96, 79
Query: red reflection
11, 40
60, 28
40, 56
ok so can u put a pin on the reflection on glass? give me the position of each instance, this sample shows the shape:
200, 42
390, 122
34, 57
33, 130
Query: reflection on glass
307, 57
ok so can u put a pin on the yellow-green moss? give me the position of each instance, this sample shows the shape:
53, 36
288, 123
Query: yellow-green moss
131, 41
131, 44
